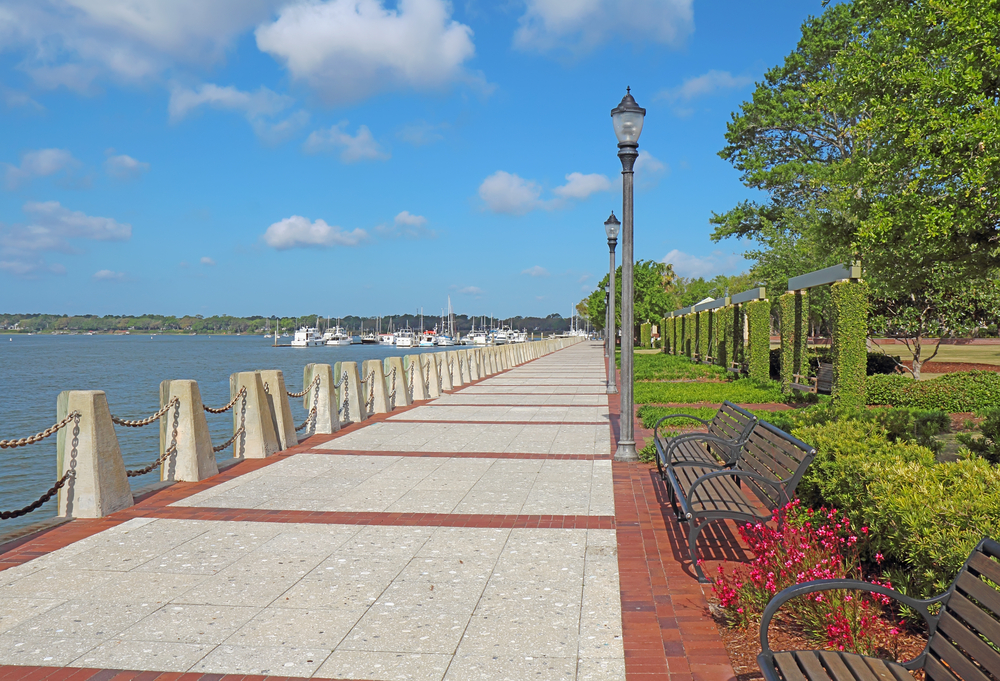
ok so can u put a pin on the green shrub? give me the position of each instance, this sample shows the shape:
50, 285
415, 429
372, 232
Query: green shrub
959, 392
759, 319
744, 391
850, 329
645, 334
924, 517
986, 445
660, 367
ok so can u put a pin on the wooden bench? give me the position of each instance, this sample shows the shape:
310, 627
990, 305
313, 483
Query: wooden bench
963, 642
768, 466
735, 368
822, 383
720, 442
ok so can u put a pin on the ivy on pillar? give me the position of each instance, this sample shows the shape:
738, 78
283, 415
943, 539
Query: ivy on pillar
789, 337
759, 339
800, 360
849, 301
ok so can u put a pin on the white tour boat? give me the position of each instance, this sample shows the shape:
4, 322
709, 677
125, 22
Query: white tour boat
386, 339
444, 340
307, 337
404, 339
336, 336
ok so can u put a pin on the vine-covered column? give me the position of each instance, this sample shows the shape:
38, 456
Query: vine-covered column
724, 333
703, 336
759, 339
800, 360
849, 301
789, 337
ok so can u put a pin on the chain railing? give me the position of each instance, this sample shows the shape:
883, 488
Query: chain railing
411, 380
221, 410
345, 408
240, 394
392, 392
61, 482
312, 412
171, 449
315, 382
37, 437
370, 402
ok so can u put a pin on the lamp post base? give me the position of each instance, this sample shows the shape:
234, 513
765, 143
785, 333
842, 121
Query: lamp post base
626, 452
612, 390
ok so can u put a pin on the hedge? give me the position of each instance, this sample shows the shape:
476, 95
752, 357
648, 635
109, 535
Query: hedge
724, 337
924, 517
850, 331
786, 306
742, 391
759, 318
645, 335
704, 330
958, 392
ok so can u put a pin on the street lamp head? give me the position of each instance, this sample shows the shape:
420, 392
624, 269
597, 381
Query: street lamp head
627, 118
611, 226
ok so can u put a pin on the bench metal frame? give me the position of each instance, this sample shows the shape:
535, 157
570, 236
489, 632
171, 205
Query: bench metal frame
729, 448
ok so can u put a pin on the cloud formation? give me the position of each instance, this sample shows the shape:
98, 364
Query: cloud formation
207, 261
261, 108
299, 232
353, 148
706, 84
580, 186
717, 262
578, 27
347, 50
125, 167
108, 275
421, 133
536, 271
507, 193
471, 290
38, 163
408, 226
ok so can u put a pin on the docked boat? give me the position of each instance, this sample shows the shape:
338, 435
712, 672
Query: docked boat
502, 336
336, 336
369, 338
307, 337
519, 337
404, 339
428, 339
386, 339
444, 340
478, 338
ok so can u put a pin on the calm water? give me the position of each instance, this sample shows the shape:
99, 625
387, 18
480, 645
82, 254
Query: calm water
35, 369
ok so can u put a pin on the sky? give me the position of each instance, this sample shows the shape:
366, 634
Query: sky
338, 157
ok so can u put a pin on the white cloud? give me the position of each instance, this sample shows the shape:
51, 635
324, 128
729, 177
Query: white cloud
580, 186
421, 133
706, 84
125, 167
408, 226
13, 99
51, 227
353, 148
717, 262
582, 25
207, 261
261, 108
73, 43
648, 170
38, 163
347, 50
299, 232
108, 275
471, 290
536, 271
583, 278
504, 192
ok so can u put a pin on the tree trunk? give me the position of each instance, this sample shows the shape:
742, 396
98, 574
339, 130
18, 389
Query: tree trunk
917, 361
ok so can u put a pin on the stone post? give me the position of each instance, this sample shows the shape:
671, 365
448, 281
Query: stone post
415, 368
194, 459
466, 366
430, 366
376, 390
327, 420
350, 389
89, 446
454, 369
259, 439
402, 389
281, 409
441, 359
474, 373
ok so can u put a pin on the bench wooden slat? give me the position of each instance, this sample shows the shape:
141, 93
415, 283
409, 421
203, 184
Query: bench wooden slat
936, 671
813, 668
879, 668
956, 660
835, 664
979, 590
972, 644
788, 667
976, 618
989, 569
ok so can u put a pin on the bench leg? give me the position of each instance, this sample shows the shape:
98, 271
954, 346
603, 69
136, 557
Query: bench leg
694, 529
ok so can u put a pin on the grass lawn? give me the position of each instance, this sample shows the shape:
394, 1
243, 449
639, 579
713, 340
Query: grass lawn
742, 391
649, 415
655, 366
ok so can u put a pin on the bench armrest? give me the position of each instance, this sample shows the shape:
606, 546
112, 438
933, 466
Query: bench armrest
766, 656
723, 443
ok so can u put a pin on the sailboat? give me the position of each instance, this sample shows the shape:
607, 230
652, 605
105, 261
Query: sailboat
447, 339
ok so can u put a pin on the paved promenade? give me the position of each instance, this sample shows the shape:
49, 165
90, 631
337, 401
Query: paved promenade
484, 535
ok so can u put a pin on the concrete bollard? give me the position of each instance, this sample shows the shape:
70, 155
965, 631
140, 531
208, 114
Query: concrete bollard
281, 408
441, 359
194, 459
430, 365
402, 382
375, 384
417, 374
454, 369
463, 364
349, 390
474, 372
259, 439
327, 420
89, 447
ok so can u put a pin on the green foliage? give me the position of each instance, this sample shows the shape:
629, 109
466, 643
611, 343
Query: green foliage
958, 392
789, 336
649, 414
742, 391
660, 367
759, 318
645, 333
704, 333
724, 332
648, 453
987, 445
924, 517
850, 330
653, 294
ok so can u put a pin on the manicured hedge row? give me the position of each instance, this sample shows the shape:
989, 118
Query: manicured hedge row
958, 392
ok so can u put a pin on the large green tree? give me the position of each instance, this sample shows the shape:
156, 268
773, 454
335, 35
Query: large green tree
654, 294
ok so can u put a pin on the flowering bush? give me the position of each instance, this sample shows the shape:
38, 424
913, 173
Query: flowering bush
809, 545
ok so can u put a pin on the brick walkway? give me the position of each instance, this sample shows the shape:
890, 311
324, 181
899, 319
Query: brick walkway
482, 535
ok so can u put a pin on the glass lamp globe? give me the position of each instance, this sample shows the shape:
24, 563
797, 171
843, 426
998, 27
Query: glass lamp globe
627, 118
611, 226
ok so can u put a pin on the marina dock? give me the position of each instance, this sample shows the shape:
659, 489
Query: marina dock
483, 534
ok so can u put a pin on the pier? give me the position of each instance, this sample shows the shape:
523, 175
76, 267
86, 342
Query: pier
469, 524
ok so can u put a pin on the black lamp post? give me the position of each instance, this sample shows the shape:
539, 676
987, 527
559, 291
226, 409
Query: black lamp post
627, 118
611, 227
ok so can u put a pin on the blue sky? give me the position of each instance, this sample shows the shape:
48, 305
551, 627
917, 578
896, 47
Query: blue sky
361, 156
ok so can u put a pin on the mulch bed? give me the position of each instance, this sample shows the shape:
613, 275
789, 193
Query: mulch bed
953, 367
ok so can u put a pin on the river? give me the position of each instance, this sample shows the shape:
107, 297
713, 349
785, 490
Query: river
35, 369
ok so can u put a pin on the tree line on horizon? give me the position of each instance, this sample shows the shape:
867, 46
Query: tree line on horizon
48, 323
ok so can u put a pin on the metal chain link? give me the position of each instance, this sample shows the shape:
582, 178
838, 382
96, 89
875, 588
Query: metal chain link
146, 421
242, 393
343, 378
427, 379
370, 404
346, 407
34, 505
315, 382
392, 394
411, 381
313, 414
38, 437
171, 449
228, 442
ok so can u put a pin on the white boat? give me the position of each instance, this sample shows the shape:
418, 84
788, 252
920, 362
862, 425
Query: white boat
404, 339
386, 339
502, 336
307, 337
369, 338
443, 340
427, 339
478, 338
519, 337
336, 336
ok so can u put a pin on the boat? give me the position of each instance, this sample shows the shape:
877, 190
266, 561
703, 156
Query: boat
519, 337
369, 338
336, 336
478, 338
502, 336
428, 339
404, 338
386, 339
307, 337
444, 340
